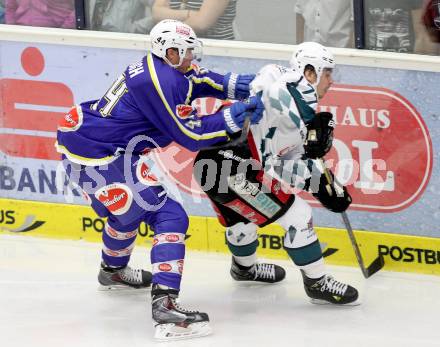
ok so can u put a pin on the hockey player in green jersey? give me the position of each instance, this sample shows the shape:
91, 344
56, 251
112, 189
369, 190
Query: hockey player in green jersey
283, 153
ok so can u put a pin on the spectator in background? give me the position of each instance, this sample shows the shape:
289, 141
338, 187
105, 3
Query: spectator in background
431, 16
393, 25
129, 16
42, 13
429, 43
212, 19
328, 22
2, 11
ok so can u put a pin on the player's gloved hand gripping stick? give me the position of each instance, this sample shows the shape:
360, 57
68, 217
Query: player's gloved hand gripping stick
236, 114
241, 115
378, 263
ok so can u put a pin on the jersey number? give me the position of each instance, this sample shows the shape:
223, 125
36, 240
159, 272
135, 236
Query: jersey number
113, 95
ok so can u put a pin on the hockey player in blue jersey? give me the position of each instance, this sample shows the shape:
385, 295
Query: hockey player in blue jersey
105, 145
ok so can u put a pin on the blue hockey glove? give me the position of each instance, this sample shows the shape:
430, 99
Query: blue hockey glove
257, 113
237, 86
236, 114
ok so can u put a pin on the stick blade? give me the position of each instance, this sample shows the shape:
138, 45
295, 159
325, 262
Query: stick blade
375, 266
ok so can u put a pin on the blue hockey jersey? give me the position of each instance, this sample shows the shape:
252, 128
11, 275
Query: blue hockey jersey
149, 105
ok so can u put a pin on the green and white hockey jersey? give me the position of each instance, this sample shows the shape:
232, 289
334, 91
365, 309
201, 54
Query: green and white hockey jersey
290, 101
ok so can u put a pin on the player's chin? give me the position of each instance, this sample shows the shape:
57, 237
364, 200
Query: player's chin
185, 67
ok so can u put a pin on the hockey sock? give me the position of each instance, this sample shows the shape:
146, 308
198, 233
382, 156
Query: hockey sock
118, 243
314, 270
242, 242
305, 251
167, 258
167, 255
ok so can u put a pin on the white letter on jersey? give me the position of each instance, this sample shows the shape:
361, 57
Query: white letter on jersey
116, 91
135, 69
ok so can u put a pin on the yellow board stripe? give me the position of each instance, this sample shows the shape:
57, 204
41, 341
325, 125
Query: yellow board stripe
184, 130
402, 253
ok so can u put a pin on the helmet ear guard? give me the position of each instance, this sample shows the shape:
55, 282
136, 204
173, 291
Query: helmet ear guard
174, 34
314, 54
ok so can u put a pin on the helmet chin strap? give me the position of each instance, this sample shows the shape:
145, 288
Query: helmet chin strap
181, 57
170, 64
318, 78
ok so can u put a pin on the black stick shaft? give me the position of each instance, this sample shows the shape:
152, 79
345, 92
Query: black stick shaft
347, 224
354, 243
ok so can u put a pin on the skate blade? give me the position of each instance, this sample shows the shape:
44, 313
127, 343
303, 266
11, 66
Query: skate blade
120, 288
170, 332
324, 302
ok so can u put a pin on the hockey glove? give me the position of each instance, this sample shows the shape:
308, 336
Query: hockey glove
257, 113
332, 196
237, 86
319, 135
236, 114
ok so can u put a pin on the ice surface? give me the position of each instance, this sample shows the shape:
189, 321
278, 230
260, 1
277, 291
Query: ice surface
49, 297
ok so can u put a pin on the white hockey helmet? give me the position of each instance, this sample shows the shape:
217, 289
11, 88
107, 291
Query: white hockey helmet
170, 33
314, 54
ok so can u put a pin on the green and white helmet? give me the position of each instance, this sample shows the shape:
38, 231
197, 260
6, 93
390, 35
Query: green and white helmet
170, 33
314, 54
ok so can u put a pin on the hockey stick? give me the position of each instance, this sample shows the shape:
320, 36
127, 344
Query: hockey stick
377, 263
242, 138
244, 132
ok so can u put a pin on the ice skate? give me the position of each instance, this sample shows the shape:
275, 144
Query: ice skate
123, 278
269, 273
171, 321
327, 290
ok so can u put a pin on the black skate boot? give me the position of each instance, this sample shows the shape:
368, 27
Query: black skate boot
327, 290
123, 277
171, 321
269, 273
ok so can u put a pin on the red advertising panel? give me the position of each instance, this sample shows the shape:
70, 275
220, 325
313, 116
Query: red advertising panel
31, 110
382, 149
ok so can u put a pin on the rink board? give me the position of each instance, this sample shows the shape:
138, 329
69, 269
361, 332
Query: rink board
385, 106
74, 222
